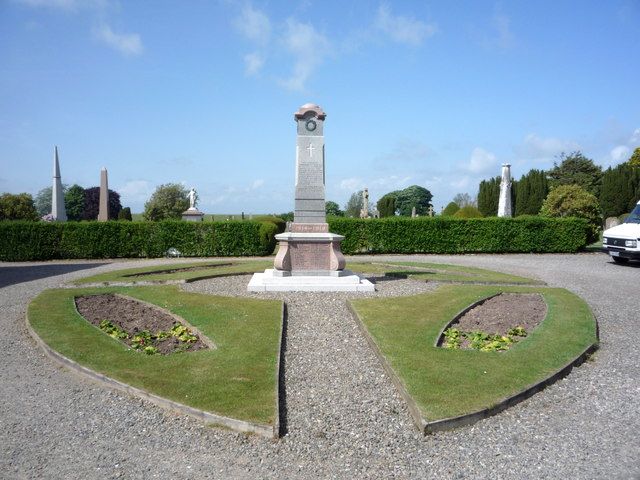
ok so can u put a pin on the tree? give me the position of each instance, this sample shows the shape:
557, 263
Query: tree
620, 190
450, 209
576, 169
92, 204
354, 205
634, 160
573, 201
488, 196
17, 207
387, 206
43, 200
167, 202
468, 211
464, 199
531, 190
74, 202
125, 214
333, 209
413, 196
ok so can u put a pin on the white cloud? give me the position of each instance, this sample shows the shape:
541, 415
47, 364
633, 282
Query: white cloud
392, 181
253, 63
125, 43
257, 184
352, 184
308, 48
254, 25
504, 38
543, 150
620, 153
135, 191
635, 137
462, 182
482, 161
401, 29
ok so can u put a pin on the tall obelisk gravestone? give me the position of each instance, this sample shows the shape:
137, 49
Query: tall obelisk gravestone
309, 257
504, 202
58, 211
103, 212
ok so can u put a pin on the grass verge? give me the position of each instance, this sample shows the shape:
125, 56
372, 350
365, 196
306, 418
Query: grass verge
449, 383
435, 272
159, 273
439, 272
237, 379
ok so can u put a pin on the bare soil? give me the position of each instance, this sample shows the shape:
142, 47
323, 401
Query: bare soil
503, 312
134, 317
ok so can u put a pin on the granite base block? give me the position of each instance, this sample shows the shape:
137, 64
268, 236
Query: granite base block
270, 282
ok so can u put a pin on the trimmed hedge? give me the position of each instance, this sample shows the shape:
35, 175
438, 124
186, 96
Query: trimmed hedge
525, 234
23, 241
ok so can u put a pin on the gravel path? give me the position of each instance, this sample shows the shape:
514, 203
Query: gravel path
344, 418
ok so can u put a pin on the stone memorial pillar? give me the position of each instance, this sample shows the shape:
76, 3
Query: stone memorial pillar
309, 256
504, 203
58, 211
103, 212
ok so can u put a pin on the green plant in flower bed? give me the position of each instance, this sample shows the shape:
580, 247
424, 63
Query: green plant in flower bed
237, 379
113, 330
485, 342
448, 382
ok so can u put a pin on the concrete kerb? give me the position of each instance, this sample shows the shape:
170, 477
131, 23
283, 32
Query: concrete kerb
148, 283
268, 431
427, 427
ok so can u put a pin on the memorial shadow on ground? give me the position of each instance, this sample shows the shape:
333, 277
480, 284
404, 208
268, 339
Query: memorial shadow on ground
27, 273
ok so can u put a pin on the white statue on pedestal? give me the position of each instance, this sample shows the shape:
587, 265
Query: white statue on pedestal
504, 202
192, 199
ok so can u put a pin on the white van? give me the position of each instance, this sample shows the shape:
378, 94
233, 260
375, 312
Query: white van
623, 241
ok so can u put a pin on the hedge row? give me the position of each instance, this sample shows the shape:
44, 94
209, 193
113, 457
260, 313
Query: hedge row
452, 235
22, 241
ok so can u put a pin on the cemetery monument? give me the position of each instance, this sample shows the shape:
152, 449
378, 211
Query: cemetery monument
58, 211
192, 214
309, 256
103, 212
364, 213
504, 203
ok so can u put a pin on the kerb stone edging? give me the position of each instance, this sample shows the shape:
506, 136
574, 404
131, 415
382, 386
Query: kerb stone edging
470, 418
147, 283
206, 417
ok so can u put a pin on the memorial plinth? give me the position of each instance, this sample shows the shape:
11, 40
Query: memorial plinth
309, 257
192, 215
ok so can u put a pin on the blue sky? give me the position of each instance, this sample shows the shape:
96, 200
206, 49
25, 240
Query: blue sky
437, 94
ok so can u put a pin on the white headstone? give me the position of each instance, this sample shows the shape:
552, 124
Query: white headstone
504, 203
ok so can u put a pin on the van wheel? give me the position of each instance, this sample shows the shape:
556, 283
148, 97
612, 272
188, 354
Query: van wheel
620, 260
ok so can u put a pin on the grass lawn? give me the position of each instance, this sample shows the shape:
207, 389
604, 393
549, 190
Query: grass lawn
420, 271
162, 274
446, 383
237, 379
438, 272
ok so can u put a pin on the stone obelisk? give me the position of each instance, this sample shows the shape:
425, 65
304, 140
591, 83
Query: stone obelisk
504, 203
58, 211
103, 213
309, 256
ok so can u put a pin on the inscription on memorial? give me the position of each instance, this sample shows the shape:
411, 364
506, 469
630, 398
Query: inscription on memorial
310, 256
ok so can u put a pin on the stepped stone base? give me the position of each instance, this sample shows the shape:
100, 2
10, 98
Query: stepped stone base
269, 281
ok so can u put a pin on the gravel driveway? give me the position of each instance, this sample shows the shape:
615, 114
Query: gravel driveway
344, 419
